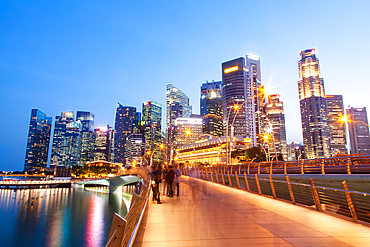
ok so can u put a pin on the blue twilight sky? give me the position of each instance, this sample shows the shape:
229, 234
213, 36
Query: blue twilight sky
88, 55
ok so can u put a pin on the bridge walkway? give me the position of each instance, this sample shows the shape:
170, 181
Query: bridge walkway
210, 214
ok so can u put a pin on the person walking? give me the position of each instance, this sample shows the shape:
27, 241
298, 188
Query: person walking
176, 180
169, 179
156, 180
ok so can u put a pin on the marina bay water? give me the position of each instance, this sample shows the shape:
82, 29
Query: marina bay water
59, 216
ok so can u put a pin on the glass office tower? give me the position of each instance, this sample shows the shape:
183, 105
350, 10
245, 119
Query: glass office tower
123, 123
315, 129
87, 138
358, 130
275, 114
38, 141
338, 137
103, 144
211, 108
66, 140
152, 115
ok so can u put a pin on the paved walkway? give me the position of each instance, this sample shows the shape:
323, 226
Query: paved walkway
209, 214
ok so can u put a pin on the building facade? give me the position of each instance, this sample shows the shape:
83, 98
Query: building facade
152, 115
87, 137
135, 148
358, 130
187, 130
274, 110
338, 136
211, 108
315, 129
66, 140
38, 141
122, 128
103, 144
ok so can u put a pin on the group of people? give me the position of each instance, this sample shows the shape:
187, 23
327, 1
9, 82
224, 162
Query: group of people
171, 177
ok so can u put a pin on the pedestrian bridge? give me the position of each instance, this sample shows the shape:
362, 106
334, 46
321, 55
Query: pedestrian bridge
114, 183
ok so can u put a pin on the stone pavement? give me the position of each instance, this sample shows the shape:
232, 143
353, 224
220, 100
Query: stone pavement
210, 214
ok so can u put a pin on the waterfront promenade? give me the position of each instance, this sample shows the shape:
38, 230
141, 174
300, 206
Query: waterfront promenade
210, 214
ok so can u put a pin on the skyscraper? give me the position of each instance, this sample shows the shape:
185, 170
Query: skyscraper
87, 137
103, 144
315, 129
124, 117
135, 147
338, 137
66, 140
152, 115
38, 141
275, 113
358, 130
234, 92
187, 130
211, 108
254, 106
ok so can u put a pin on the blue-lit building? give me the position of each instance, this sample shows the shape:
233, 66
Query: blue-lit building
125, 115
38, 141
211, 108
66, 140
87, 137
315, 128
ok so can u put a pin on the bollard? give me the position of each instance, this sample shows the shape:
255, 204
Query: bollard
258, 184
290, 190
223, 180
228, 174
237, 180
246, 181
272, 187
349, 201
315, 195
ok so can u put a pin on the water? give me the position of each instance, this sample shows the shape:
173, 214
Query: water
58, 217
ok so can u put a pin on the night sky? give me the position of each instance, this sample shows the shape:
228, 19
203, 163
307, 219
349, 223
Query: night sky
88, 55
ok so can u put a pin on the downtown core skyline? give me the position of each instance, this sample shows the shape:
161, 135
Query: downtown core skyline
87, 57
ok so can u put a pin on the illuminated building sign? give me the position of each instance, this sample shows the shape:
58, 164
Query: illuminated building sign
231, 69
329, 96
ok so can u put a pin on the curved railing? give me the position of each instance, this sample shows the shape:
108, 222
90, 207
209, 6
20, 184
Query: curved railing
123, 230
345, 195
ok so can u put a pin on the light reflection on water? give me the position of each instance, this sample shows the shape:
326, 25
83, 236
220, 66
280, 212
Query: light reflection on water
58, 217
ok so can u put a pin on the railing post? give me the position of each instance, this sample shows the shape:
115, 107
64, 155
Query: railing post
271, 168
207, 174
348, 166
285, 168
216, 176
228, 174
323, 167
211, 175
223, 179
315, 195
259, 169
258, 183
272, 187
349, 201
237, 180
302, 167
246, 181
239, 168
249, 165
290, 190
198, 173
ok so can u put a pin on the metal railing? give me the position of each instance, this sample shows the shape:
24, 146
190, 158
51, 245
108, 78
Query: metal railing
123, 230
336, 199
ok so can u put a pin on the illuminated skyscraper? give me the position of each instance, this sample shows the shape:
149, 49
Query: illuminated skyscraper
234, 92
152, 115
38, 141
124, 117
135, 148
187, 130
87, 137
211, 108
358, 130
338, 136
315, 129
275, 113
254, 106
103, 144
66, 140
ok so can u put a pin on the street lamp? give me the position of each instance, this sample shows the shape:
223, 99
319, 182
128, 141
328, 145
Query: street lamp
269, 131
235, 107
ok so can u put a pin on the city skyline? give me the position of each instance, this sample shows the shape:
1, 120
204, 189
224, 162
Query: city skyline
54, 58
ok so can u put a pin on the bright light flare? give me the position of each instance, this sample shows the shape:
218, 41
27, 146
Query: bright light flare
231, 69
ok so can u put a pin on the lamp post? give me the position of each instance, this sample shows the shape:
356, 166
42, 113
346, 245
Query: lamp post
269, 131
235, 107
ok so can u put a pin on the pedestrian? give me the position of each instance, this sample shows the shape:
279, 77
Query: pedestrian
156, 180
176, 180
169, 179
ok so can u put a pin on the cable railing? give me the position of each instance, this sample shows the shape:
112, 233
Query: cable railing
124, 229
337, 199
